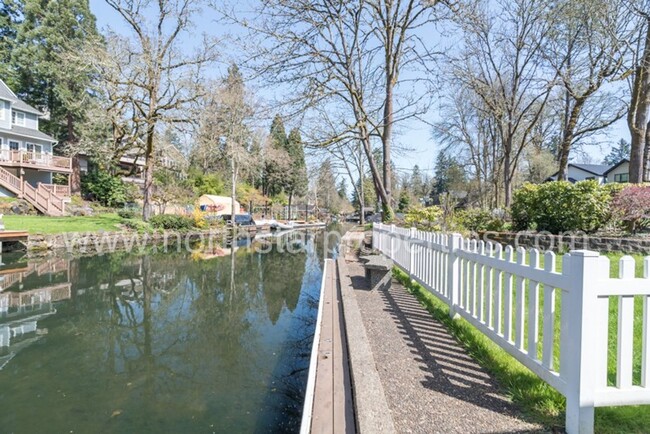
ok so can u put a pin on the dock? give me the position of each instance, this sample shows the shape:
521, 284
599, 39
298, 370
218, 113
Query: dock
13, 236
329, 403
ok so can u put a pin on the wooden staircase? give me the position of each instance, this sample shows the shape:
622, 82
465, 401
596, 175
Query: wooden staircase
40, 197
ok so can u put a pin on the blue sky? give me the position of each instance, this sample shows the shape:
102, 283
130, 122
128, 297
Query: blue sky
416, 136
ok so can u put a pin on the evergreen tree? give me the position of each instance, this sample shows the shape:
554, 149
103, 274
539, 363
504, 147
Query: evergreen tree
618, 153
9, 22
449, 175
342, 189
417, 184
45, 76
273, 177
404, 201
296, 181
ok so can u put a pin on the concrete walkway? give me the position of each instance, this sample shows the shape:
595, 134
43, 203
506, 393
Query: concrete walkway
430, 383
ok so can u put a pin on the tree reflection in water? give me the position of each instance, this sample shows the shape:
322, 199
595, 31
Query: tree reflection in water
168, 343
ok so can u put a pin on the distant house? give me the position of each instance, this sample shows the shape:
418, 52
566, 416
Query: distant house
583, 172
619, 172
132, 164
27, 161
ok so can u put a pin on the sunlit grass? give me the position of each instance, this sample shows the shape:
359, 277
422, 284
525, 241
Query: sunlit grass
36, 224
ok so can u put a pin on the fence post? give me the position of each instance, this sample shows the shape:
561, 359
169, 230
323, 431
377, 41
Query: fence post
392, 242
411, 243
453, 273
580, 361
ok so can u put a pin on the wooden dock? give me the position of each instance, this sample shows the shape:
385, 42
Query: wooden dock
329, 403
13, 236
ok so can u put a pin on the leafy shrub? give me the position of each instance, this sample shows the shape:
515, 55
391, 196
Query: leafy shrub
171, 222
107, 189
561, 206
426, 219
137, 225
632, 206
127, 213
473, 219
198, 219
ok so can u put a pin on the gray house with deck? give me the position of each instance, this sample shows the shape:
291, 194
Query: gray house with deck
27, 161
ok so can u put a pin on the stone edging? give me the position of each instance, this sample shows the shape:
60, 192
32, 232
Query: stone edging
566, 242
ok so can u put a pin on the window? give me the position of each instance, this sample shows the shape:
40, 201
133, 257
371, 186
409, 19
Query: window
18, 118
590, 178
36, 149
14, 146
2, 110
622, 177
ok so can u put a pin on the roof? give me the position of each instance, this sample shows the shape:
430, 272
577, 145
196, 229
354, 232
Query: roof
615, 166
29, 133
9, 95
595, 169
6, 93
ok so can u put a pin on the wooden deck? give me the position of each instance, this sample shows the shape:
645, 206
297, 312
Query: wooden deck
329, 403
13, 236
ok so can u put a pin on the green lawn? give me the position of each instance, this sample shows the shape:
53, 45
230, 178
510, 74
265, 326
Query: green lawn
35, 224
538, 400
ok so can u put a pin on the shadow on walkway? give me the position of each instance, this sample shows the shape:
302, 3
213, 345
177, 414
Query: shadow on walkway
446, 366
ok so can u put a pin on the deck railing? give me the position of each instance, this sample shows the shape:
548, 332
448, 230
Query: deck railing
35, 159
553, 321
58, 190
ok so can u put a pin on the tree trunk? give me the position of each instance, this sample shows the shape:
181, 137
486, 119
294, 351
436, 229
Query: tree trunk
289, 205
74, 179
567, 140
638, 116
386, 140
507, 180
148, 174
233, 192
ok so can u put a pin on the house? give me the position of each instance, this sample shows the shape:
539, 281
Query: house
582, 172
132, 164
27, 161
619, 172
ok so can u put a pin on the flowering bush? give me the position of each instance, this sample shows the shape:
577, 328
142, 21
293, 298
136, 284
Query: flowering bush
632, 206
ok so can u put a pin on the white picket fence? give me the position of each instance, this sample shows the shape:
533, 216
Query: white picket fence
514, 302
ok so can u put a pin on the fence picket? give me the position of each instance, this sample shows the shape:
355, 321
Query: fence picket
549, 314
507, 297
625, 328
533, 308
497, 287
519, 301
480, 282
645, 345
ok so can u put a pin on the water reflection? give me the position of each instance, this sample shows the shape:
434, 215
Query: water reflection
175, 342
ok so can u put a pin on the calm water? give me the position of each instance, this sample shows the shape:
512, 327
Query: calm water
160, 343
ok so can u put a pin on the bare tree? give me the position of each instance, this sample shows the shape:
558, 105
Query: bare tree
350, 56
501, 64
587, 50
161, 73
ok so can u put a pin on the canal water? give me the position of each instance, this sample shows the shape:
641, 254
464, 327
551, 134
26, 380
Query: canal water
216, 340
